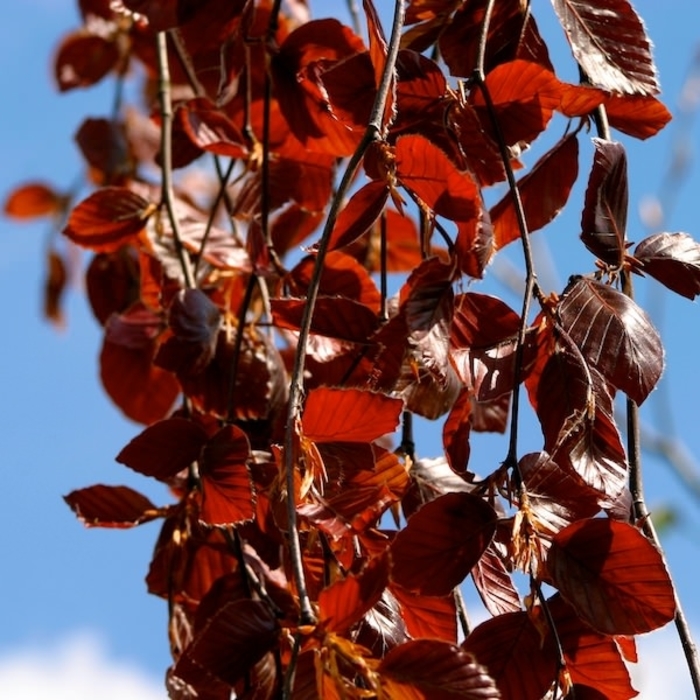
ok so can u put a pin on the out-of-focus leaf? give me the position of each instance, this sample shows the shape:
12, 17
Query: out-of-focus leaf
54, 286
111, 506
610, 43
441, 543
33, 199
83, 59
613, 576
674, 260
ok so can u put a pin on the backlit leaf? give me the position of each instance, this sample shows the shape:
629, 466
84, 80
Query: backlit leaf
434, 617
494, 584
210, 129
674, 260
604, 219
358, 215
33, 199
610, 43
111, 506
613, 576
349, 415
614, 335
638, 116
543, 192
107, 219
441, 543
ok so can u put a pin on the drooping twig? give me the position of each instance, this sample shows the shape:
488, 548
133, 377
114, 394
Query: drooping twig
166, 154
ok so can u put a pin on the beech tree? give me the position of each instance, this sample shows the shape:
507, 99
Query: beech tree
250, 325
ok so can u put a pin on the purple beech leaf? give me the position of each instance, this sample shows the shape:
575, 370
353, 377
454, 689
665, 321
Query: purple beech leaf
672, 259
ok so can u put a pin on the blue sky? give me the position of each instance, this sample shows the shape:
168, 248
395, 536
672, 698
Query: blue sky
76, 597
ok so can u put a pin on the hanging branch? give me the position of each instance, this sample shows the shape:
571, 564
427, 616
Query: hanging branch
166, 148
372, 133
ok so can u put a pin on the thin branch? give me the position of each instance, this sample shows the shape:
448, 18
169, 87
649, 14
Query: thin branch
462, 614
296, 385
166, 153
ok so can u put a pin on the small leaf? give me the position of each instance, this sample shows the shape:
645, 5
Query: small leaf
32, 200
108, 219
613, 576
210, 129
54, 287
614, 335
604, 219
358, 215
349, 415
494, 584
610, 43
441, 543
111, 506
83, 59
674, 260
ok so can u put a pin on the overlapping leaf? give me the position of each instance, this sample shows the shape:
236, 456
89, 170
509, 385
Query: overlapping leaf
674, 260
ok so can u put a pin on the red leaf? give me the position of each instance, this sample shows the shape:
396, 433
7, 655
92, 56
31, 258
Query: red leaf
111, 506
674, 260
83, 59
358, 215
108, 219
613, 577
638, 116
346, 601
54, 286
425, 170
33, 199
543, 192
434, 617
525, 95
441, 543
440, 670
510, 647
104, 146
164, 448
610, 43
227, 497
614, 335
494, 584
210, 129
349, 415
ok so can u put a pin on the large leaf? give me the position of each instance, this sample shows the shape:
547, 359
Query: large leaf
610, 43
111, 506
543, 192
613, 576
441, 671
604, 219
349, 415
614, 335
506, 645
441, 543
674, 260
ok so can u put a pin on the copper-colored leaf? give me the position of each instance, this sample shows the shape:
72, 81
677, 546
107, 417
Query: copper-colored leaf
613, 576
346, 601
358, 215
638, 116
441, 671
210, 129
494, 584
674, 260
227, 497
110, 506
610, 43
83, 59
614, 335
33, 199
442, 542
434, 178
164, 448
349, 415
108, 219
510, 646
604, 218
543, 192
434, 617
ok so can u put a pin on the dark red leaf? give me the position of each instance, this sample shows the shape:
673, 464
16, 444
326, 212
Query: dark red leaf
358, 215
604, 219
108, 219
506, 646
112, 281
494, 584
455, 433
104, 146
83, 59
111, 506
210, 129
440, 670
425, 170
613, 576
614, 335
543, 192
610, 43
441, 543
227, 489
674, 260
349, 415
33, 199
164, 448
346, 601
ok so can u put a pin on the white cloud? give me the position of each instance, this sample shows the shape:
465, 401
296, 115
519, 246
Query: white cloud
661, 671
75, 668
